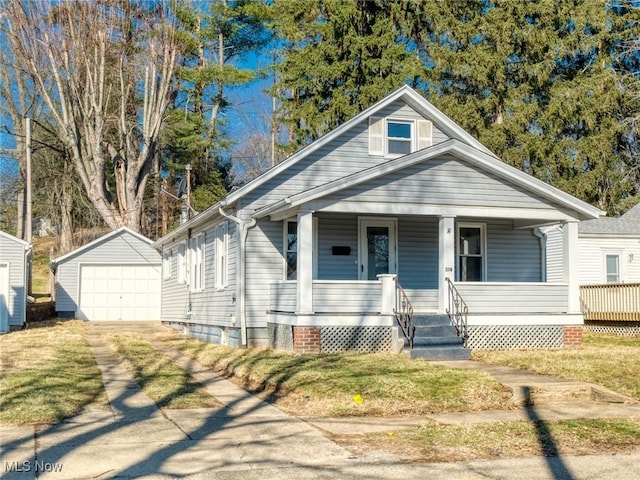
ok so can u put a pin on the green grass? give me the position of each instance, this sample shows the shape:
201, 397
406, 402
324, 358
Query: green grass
48, 374
433, 442
161, 379
348, 383
607, 360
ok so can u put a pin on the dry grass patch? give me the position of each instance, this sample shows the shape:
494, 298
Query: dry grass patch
48, 373
348, 384
606, 360
162, 380
446, 443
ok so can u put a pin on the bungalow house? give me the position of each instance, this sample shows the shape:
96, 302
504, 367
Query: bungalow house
389, 232
15, 268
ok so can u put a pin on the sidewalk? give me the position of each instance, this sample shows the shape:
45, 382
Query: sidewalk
250, 439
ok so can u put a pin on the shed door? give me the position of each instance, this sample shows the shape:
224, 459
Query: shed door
119, 292
4, 297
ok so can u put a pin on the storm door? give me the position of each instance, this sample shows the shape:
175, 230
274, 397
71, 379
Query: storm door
377, 247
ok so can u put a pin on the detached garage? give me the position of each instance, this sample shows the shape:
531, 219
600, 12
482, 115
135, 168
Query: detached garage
15, 256
116, 277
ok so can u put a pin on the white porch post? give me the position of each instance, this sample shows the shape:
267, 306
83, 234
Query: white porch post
570, 255
305, 263
446, 259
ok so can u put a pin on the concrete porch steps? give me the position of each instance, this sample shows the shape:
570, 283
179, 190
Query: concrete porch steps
436, 339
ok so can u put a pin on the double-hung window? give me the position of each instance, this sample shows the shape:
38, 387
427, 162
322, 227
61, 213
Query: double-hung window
221, 242
399, 137
291, 249
471, 253
612, 267
196, 270
394, 137
182, 263
167, 258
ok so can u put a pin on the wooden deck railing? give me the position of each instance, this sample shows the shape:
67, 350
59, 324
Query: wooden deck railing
611, 302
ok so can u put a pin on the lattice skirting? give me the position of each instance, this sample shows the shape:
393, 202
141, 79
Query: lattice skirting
335, 339
280, 336
359, 339
615, 328
505, 337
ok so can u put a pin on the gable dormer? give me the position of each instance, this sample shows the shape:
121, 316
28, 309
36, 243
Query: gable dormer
396, 136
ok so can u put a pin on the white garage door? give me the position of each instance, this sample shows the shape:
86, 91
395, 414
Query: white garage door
119, 292
4, 297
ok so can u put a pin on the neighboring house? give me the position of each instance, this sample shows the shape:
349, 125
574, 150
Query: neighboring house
15, 268
310, 256
609, 249
115, 277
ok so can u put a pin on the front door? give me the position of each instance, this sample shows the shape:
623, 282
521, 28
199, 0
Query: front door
377, 247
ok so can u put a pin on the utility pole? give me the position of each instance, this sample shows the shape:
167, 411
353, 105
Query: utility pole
28, 223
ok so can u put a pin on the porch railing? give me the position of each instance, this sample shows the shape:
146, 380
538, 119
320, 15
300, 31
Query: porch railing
457, 310
404, 313
611, 302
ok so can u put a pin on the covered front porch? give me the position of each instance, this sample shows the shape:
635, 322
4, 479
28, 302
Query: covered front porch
353, 279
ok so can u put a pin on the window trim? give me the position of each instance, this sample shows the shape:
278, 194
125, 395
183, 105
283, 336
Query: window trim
221, 233
483, 250
605, 273
412, 140
421, 134
285, 242
197, 263
392, 224
167, 263
182, 263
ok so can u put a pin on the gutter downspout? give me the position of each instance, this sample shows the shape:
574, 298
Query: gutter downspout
240, 287
542, 236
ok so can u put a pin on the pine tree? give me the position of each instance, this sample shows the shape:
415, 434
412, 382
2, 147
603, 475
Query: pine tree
339, 57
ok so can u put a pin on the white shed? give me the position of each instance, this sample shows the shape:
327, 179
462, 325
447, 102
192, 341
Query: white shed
15, 255
115, 277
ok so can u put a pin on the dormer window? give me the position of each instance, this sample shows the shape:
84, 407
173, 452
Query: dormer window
393, 137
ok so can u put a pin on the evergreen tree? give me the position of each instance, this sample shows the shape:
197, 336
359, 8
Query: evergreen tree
338, 57
537, 83
214, 35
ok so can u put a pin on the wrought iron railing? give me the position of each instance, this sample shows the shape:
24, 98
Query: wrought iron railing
457, 310
404, 313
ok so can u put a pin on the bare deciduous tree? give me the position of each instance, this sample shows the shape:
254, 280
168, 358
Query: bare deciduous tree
105, 70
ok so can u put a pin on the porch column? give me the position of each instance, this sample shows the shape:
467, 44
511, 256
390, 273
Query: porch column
570, 255
446, 259
305, 262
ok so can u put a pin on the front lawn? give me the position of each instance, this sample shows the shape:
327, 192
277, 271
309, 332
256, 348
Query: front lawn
608, 360
348, 383
48, 373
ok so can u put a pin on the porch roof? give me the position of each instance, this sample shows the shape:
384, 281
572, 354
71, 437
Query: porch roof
464, 151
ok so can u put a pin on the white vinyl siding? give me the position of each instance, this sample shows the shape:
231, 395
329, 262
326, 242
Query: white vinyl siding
592, 251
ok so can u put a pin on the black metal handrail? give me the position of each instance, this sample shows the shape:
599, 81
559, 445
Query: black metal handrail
457, 310
404, 313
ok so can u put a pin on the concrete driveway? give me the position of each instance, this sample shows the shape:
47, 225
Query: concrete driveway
245, 439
